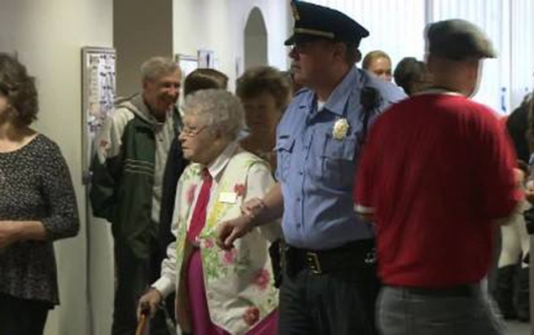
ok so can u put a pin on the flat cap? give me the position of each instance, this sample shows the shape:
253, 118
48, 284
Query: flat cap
314, 22
458, 40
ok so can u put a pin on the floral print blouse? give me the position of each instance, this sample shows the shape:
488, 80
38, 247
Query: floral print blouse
239, 282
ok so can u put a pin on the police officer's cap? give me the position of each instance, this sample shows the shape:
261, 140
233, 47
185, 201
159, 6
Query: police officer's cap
314, 22
458, 40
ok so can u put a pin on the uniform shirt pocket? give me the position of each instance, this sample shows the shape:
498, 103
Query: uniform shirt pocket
284, 148
337, 162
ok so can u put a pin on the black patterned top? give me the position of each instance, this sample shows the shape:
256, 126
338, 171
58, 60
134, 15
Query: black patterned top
35, 185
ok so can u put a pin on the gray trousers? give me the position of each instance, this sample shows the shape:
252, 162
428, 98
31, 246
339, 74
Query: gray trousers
402, 311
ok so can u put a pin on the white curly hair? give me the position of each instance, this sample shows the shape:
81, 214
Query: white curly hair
217, 109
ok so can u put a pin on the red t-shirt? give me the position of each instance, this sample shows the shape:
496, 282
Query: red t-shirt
436, 171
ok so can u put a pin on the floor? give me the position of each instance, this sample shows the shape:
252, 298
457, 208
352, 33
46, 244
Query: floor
518, 328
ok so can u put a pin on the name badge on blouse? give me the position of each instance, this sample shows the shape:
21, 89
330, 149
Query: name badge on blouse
228, 197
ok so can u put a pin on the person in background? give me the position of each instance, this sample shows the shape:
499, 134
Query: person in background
203, 79
521, 249
518, 125
265, 93
378, 63
126, 190
511, 278
295, 86
511, 287
437, 176
411, 75
37, 206
218, 292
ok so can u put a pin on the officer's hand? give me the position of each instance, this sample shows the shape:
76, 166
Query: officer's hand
149, 303
519, 176
229, 231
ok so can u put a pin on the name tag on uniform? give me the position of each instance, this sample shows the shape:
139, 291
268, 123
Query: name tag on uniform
228, 197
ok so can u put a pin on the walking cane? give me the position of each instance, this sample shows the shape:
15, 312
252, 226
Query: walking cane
142, 325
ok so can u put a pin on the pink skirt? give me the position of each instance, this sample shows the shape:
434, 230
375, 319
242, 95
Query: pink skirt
200, 316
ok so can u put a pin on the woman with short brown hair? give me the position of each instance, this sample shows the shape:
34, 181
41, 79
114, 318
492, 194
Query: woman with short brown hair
265, 93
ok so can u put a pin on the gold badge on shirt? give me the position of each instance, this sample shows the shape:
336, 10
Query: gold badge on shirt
341, 128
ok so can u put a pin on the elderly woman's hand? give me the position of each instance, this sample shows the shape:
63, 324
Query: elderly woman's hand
149, 303
229, 231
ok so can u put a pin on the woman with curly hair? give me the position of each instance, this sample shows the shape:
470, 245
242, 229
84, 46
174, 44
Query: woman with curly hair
37, 206
265, 93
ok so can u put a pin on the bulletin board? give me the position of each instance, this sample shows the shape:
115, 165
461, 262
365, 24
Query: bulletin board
187, 63
98, 95
207, 59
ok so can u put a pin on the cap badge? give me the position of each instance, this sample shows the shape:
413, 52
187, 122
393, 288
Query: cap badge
296, 14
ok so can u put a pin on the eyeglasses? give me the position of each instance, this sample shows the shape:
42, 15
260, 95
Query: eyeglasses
189, 132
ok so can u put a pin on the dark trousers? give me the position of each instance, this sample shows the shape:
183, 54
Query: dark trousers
337, 303
22, 317
134, 275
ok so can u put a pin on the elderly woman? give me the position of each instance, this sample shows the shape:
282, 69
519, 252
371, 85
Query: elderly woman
219, 292
265, 93
37, 206
199, 79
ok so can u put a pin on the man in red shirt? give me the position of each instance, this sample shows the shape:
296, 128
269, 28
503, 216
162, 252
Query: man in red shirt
437, 173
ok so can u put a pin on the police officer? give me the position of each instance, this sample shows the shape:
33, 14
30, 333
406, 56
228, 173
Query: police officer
329, 283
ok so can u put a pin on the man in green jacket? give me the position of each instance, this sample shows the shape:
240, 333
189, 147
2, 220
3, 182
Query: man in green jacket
131, 153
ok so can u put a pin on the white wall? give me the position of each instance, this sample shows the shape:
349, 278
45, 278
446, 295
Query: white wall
219, 25
522, 46
397, 27
141, 29
255, 52
48, 36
